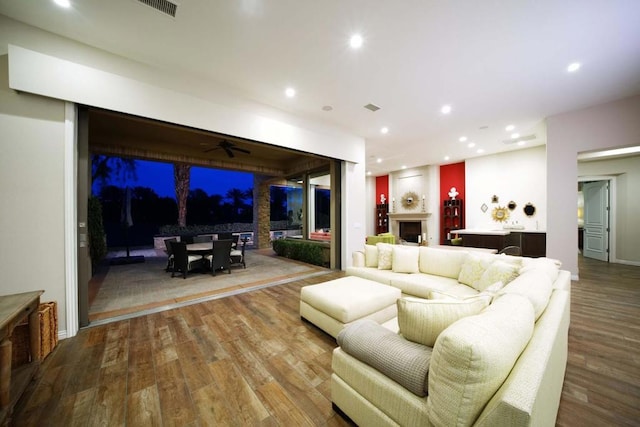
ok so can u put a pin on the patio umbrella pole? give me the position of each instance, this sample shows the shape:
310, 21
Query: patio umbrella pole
127, 222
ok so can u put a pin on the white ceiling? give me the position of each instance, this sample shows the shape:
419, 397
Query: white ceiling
495, 62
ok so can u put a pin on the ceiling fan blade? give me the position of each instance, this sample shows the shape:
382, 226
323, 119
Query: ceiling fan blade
228, 151
242, 150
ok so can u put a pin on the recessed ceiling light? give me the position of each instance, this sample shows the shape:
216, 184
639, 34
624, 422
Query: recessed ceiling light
356, 41
471, 144
384, 130
327, 108
509, 128
403, 166
515, 135
480, 151
572, 68
62, 3
378, 160
290, 92
521, 142
368, 172
462, 139
446, 157
446, 109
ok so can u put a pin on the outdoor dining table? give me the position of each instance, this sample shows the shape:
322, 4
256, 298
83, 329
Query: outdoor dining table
205, 248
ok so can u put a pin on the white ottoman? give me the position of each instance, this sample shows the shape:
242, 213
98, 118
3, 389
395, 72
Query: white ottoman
333, 305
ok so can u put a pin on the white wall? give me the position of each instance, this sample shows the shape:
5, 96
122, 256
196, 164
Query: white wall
515, 175
31, 186
603, 126
424, 181
627, 209
32, 135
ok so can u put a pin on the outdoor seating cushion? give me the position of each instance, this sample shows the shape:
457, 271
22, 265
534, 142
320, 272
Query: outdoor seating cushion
404, 361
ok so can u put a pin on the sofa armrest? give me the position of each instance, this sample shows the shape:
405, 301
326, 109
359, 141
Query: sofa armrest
357, 258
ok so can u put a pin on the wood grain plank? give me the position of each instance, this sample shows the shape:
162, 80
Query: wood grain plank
175, 402
143, 408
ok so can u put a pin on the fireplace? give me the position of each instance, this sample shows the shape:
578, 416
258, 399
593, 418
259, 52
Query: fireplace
410, 231
417, 227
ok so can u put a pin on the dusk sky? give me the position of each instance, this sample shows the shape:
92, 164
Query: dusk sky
159, 177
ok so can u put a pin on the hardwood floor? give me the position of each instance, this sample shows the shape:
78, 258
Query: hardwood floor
602, 382
249, 360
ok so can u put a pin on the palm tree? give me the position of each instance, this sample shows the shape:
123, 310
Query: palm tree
106, 168
182, 177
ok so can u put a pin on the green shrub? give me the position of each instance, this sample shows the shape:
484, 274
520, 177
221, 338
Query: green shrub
300, 250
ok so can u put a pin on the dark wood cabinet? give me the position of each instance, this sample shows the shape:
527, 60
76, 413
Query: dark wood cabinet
452, 220
382, 218
532, 244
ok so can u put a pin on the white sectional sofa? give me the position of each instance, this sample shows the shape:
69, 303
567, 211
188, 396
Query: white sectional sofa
464, 350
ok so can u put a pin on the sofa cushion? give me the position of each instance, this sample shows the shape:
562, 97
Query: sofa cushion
405, 259
472, 268
442, 262
551, 267
473, 357
491, 292
385, 256
422, 321
535, 285
371, 256
406, 362
421, 285
380, 276
497, 271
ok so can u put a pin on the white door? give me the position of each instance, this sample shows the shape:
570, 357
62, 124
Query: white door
596, 220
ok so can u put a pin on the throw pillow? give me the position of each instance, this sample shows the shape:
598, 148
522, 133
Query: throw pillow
403, 361
405, 259
370, 256
472, 268
385, 256
497, 271
422, 321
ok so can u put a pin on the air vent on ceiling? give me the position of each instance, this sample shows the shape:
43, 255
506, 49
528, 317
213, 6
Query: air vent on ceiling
164, 6
372, 107
518, 139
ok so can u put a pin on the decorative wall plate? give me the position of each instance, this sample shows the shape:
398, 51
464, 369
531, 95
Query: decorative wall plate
484, 207
529, 209
512, 205
410, 200
500, 214
494, 199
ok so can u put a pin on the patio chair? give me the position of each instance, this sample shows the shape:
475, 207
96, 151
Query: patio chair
169, 251
237, 255
182, 261
229, 236
220, 259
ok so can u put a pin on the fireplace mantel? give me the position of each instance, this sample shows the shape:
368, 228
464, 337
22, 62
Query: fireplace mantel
409, 216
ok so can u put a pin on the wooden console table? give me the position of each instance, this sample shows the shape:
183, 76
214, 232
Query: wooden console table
13, 310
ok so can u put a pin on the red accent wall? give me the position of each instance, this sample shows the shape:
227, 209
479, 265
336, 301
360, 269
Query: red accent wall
382, 187
451, 176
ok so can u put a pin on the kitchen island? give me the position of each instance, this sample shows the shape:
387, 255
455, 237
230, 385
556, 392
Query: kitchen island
532, 242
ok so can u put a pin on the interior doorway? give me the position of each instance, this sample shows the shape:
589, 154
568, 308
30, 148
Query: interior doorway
596, 219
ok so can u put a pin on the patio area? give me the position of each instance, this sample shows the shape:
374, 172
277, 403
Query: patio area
128, 290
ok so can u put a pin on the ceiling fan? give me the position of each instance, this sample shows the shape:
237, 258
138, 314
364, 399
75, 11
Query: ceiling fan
228, 148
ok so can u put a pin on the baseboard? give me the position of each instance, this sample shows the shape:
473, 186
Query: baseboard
627, 262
